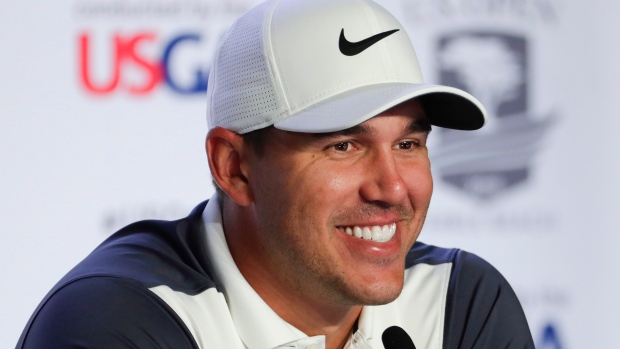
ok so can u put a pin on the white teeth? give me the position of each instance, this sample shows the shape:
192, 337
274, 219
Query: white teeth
375, 233
385, 231
357, 231
366, 233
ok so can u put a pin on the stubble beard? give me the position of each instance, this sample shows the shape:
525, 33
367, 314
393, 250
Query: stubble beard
307, 271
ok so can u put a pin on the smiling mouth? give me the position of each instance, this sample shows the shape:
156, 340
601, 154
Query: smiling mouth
375, 233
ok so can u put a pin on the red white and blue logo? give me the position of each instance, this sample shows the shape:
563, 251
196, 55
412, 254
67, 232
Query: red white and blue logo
142, 61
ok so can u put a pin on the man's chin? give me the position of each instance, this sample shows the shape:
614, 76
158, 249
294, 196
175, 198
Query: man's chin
377, 294
383, 298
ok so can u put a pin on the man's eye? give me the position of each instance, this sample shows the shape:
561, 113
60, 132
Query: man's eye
342, 146
405, 145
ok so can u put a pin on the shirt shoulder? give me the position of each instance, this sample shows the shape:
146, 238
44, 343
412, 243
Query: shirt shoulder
153, 253
105, 312
481, 308
422, 253
115, 293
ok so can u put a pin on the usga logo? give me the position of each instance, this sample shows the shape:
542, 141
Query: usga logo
493, 67
126, 53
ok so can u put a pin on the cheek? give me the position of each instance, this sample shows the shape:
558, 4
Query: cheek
272, 194
336, 183
300, 189
324, 190
420, 186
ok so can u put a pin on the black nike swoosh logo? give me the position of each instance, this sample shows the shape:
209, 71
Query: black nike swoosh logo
349, 48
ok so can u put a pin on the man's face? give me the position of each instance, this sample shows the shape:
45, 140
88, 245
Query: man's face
313, 192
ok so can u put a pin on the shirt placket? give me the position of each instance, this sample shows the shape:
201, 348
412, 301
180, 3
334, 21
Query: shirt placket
316, 342
357, 342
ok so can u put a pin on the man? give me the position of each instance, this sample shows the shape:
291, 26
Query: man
318, 120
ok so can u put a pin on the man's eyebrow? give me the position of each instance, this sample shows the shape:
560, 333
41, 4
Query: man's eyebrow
419, 126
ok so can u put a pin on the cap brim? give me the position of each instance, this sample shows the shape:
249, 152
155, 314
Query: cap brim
445, 107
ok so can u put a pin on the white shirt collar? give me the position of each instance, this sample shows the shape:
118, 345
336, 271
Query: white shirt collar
257, 324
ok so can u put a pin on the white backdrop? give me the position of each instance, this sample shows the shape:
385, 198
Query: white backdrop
83, 154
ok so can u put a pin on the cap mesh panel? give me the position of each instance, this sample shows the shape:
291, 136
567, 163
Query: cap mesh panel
244, 85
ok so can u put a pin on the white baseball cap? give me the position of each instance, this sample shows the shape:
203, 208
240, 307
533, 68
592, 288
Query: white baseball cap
323, 66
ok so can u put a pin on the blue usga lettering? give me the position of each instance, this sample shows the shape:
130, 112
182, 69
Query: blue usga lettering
201, 76
549, 338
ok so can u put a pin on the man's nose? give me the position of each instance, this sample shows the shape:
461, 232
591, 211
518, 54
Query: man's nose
383, 182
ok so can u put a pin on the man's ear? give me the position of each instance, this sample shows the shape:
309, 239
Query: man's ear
227, 159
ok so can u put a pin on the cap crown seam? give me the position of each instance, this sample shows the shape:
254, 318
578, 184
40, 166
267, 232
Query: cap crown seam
281, 77
272, 67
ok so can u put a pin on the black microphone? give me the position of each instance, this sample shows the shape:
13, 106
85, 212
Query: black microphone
395, 337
